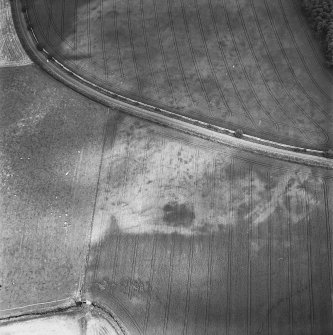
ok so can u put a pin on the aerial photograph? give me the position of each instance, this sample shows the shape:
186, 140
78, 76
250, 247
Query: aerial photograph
166, 167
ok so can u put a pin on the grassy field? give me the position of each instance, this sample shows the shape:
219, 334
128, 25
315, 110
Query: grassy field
50, 145
246, 64
11, 51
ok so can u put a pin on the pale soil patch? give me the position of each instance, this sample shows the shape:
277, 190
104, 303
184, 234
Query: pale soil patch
46, 326
149, 185
78, 324
11, 51
182, 226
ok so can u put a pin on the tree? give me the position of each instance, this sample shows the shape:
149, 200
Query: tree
320, 16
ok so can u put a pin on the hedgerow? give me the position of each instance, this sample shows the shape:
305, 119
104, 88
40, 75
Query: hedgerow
320, 16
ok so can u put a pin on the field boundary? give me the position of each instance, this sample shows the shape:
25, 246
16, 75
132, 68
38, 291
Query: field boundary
83, 306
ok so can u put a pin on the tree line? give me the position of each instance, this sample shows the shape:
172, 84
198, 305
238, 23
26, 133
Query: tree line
320, 16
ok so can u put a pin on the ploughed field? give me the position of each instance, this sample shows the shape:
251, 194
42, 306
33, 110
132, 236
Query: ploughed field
189, 237
173, 234
249, 64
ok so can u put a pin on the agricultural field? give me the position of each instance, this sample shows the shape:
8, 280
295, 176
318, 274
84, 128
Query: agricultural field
11, 51
168, 232
180, 235
194, 238
246, 64
50, 144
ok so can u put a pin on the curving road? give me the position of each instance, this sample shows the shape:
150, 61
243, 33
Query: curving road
203, 128
235, 64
